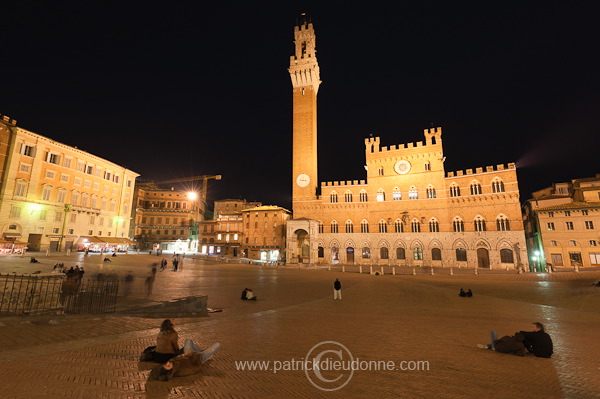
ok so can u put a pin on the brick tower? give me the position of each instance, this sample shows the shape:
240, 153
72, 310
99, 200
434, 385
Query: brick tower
304, 72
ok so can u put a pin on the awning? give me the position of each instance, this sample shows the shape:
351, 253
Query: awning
12, 234
90, 239
116, 240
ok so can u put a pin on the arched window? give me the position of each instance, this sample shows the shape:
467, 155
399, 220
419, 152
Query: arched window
461, 254
475, 188
348, 196
364, 226
436, 254
479, 223
431, 192
427, 165
417, 253
454, 190
398, 226
396, 194
506, 256
333, 197
502, 223
321, 252
415, 226
366, 253
459, 225
334, 227
382, 226
380, 195
380, 171
364, 197
434, 226
413, 193
400, 253
497, 186
349, 227
321, 227
384, 253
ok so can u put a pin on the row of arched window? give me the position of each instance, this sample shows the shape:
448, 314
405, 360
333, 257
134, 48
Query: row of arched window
506, 255
413, 193
414, 226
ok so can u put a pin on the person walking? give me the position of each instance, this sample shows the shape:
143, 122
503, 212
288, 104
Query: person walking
337, 290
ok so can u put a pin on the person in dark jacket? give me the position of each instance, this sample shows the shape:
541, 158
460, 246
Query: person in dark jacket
538, 341
337, 290
462, 293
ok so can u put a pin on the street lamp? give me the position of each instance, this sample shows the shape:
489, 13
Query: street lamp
67, 209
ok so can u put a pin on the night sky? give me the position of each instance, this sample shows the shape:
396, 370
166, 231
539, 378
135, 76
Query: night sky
176, 89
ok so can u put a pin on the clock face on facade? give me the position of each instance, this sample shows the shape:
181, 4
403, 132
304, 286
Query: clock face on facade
402, 167
302, 180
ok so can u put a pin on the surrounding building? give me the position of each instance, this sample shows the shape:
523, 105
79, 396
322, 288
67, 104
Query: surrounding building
56, 197
409, 210
264, 233
223, 235
563, 224
167, 219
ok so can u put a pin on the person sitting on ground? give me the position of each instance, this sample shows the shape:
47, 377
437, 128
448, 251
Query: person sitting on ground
245, 294
114, 254
512, 345
167, 345
462, 293
33, 260
469, 293
250, 295
538, 341
182, 365
596, 283
106, 260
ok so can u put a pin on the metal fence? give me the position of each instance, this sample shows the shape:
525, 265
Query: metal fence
32, 294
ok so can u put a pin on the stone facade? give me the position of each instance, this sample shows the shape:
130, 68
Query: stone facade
167, 219
53, 195
264, 232
563, 224
409, 210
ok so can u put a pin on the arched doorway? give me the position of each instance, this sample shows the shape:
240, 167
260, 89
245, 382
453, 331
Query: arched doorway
303, 248
483, 258
350, 255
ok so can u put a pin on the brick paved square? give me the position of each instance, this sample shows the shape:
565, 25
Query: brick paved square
385, 318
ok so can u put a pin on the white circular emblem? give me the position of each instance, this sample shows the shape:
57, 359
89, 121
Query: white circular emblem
402, 167
302, 180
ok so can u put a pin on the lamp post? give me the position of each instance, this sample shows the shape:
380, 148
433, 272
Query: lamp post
67, 209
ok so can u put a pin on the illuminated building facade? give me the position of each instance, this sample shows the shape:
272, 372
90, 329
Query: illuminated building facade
264, 232
54, 195
409, 210
167, 219
223, 235
563, 224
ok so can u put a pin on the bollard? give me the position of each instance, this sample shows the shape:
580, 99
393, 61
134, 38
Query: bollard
576, 268
393, 271
432, 271
476, 270
382, 273
68, 252
343, 269
360, 269
414, 272
329, 268
451, 272
47, 252
370, 269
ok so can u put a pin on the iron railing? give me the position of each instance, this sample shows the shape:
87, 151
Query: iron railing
33, 294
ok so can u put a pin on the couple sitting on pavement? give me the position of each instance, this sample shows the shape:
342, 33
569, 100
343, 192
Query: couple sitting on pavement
177, 361
537, 342
248, 295
462, 292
